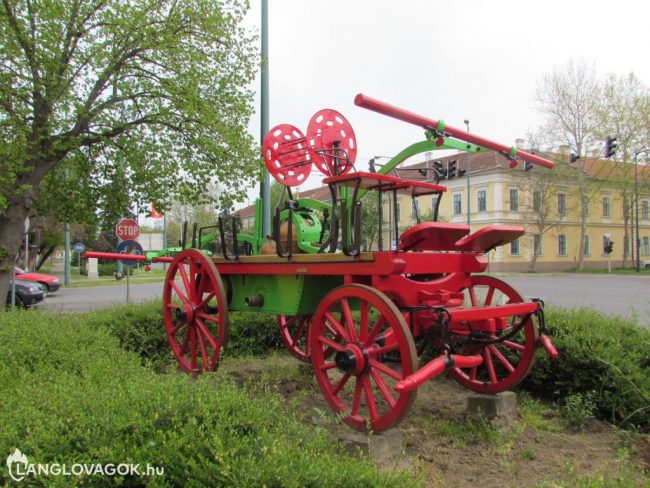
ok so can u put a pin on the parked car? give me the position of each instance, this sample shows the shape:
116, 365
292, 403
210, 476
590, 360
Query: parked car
51, 282
646, 264
28, 293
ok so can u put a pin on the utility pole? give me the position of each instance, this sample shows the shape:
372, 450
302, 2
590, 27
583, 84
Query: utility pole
469, 169
265, 186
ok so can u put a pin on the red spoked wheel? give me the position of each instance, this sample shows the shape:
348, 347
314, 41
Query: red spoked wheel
361, 347
286, 155
505, 363
295, 332
195, 311
332, 143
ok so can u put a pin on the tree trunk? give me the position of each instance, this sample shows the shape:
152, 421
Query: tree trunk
12, 225
44, 254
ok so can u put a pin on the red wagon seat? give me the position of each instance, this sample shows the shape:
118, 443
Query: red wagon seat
432, 236
489, 237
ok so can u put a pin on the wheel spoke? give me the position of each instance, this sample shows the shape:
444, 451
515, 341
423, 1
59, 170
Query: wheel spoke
206, 300
370, 398
339, 328
183, 298
339, 386
384, 349
374, 331
349, 321
356, 399
207, 316
502, 359
332, 345
385, 369
383, 388
472, 296
205, 332
186, 282
186, 341
488, 297
487, 359
514, 345
363, 321
326, 366
204, 353
176, 328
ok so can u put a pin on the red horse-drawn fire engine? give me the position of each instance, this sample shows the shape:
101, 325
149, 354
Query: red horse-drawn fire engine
361, 317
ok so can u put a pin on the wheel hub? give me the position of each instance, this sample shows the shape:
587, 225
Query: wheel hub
185, 314
352, 360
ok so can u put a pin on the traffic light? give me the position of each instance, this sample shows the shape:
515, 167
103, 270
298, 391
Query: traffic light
451, 169
461, 172
440, 173
608, 245
528, 166
610, 146
574, 157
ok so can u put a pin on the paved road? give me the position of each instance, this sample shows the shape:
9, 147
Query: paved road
627, 295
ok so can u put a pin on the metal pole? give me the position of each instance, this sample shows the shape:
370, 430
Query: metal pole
27, 244
128, 269
469, 169
13, 286
165, 237
636, 212
265, 187
66, 256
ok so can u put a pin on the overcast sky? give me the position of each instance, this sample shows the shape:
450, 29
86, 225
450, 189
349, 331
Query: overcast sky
454, 60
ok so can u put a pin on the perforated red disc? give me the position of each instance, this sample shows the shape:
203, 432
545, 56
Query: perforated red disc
332, 144
286, 155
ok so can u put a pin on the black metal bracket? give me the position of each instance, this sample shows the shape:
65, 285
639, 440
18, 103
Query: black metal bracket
222, 235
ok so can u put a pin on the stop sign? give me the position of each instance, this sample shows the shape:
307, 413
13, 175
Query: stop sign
127, 229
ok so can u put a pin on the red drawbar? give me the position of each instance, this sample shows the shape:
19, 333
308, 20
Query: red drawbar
432, 236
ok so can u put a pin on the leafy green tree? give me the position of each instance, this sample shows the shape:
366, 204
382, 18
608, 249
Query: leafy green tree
154, 87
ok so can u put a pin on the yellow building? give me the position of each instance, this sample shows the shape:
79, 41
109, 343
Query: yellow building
547, 204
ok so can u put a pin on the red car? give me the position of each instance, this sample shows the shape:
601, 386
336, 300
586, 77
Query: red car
51, 282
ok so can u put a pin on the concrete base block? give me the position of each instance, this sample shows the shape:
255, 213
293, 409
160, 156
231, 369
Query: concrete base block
500, 406
378, 447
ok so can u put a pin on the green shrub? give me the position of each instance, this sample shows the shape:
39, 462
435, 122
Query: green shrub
139, 328
603, 358
71, 395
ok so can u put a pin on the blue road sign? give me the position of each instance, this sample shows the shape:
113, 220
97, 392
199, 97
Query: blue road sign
79, 247
129, 247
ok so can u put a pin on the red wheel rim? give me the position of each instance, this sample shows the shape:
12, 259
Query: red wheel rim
332, 143
507, 363
361, 347
286, 155
195, 311
295, 335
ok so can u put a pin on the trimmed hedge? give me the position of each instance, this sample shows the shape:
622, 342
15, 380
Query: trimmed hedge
139, 328
71, 395
603, 358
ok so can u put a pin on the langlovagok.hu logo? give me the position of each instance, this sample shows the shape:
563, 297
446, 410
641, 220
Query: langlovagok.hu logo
19, 468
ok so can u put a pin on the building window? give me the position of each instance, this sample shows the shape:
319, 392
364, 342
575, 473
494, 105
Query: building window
458, 204
514, 200
645, 209
537, 244
561, 204
434, 201
561, 245
606, 208
645, 246
587, 247
514, 247
537, 201
482, 200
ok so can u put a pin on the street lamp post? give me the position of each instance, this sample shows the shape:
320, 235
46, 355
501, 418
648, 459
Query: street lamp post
469, 169
636, 207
